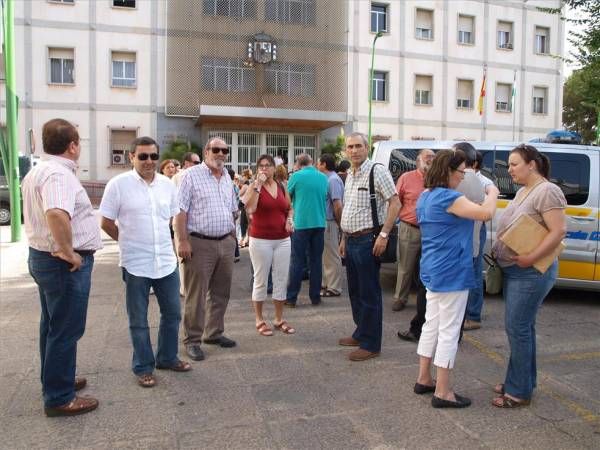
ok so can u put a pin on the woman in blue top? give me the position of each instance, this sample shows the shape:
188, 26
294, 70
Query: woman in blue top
446, 220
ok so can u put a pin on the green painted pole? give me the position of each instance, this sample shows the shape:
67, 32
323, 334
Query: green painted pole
12, 172
377, 36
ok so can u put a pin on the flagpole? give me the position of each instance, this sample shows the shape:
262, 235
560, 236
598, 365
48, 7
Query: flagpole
513, 98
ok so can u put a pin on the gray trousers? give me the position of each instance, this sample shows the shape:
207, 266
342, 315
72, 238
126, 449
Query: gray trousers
409, 254
332, 262
207, 287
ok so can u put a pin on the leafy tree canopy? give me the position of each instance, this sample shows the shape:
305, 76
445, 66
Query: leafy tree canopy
177, 148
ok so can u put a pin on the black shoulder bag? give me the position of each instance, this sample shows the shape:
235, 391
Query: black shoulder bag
389, 254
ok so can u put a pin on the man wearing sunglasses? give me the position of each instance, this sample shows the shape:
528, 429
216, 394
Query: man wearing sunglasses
143, 201
205, 234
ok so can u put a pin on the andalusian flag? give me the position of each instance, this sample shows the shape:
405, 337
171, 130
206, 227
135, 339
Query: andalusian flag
514, 92
482, 94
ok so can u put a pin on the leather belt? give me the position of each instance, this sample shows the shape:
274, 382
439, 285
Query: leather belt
85, 252
210, 238
361, 232
410, 224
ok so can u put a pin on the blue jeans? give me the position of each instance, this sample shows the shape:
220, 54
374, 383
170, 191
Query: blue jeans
524, 292
362, 270
475, 299
313, 241
64, 300
137, 291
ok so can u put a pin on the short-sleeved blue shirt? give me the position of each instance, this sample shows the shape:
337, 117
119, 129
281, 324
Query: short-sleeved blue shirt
308, 189
446, 243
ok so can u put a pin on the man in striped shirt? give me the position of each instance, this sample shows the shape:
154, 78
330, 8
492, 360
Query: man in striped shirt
63, 235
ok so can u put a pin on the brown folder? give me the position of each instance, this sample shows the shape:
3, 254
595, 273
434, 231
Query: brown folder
524, 235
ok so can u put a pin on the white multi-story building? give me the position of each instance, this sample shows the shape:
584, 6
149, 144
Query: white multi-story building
280, 76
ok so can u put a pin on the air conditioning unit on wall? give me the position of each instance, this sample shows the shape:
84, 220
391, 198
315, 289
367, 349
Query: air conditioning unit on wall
118, 159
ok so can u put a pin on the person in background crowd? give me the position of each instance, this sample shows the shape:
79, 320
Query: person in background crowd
167, 168
474, 189
244, 221
409, 187
308, 190
205, 231
143, 202
236, 193
331, 285
362, 243
446, 222
63, 235
342, 169
278, 159
281, 175
525, 287
272, 223
177, 165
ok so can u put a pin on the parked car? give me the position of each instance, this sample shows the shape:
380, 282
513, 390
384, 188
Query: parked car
574, 168
24, 166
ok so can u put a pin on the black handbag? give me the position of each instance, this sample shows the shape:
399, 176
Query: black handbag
389, 254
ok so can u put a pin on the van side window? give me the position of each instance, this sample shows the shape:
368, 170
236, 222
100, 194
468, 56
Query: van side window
569, 171
402, 160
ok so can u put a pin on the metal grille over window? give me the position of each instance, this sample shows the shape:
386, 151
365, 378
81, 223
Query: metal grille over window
230, 8
248, 150
120, 143
267, 54
227, 75
305, 144
291, 11
296, 80
503, 97
123, 69
62, 65
277, 144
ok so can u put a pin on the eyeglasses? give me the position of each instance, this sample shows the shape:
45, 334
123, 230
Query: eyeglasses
265, 166
145, 156
461, 171
216, 150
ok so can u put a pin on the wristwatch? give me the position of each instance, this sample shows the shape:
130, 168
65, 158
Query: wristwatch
383, 234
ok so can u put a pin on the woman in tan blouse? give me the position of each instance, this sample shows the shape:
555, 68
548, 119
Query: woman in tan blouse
524, 286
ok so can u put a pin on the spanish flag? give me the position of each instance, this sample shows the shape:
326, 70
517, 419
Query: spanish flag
482, 94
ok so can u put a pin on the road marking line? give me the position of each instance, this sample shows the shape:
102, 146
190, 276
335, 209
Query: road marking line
581, 411
573, 357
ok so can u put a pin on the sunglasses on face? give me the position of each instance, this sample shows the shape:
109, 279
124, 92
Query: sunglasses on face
223, 150
196, 162
145, 156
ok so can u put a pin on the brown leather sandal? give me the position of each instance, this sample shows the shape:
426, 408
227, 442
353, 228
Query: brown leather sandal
147, 380
285, 327
504, 401
263, 329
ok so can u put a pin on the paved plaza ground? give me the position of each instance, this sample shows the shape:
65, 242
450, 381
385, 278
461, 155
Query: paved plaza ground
295, 391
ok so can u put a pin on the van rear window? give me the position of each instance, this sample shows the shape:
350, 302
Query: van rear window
569, 171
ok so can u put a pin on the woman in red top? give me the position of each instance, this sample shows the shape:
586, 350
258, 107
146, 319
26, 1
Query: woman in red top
269, 205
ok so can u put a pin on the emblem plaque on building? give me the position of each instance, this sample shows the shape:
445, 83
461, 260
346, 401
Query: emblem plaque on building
262, 49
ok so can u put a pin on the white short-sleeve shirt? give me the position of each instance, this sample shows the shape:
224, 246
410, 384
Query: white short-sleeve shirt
143, 212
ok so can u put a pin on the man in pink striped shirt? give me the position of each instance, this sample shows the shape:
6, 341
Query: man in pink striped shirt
63, 235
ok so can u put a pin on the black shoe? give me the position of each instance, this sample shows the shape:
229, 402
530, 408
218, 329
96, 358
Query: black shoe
221, 341
461, 402
408, 336
194, 352
317, 303
421, 389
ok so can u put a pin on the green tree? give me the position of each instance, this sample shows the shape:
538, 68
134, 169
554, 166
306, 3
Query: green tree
579, 109
334, 147
177, 148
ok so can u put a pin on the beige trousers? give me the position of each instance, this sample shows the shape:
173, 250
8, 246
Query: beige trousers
409, 253
207, 287
332, 263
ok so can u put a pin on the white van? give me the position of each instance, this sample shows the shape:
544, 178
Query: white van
574, 168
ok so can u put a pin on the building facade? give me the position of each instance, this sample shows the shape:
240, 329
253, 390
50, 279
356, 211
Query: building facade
282, 76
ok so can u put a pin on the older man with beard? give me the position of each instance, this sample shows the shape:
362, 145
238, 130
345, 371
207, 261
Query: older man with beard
205, 230
409, 188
